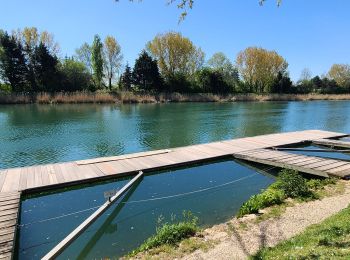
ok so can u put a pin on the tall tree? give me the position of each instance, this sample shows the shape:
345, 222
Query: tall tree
97, 60
83, 54
13, 67
259, 67
126, 79
222, 64
175, 54
145, 73
75, 75
45, 69
341, 74
113, 58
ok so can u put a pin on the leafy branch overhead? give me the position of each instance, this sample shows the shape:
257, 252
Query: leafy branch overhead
185, 5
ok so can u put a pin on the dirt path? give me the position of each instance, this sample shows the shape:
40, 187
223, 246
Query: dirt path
238, 239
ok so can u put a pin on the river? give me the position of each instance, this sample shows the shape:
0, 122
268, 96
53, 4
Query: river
39, 134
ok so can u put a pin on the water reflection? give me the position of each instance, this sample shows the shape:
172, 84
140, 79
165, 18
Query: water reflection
37, 134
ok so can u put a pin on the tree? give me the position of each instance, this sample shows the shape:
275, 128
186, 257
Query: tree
220, 63
45, 69
185, 5
175, 54
341, 74
282, 84
13, 63
126, 79
259, 67
75, 75
211, 81
97, 60
83, 54
145, 73
113, 58
305, 75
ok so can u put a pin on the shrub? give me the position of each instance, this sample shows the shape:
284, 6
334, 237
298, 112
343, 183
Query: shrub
293, 184
269, 197
315, 184
171, 233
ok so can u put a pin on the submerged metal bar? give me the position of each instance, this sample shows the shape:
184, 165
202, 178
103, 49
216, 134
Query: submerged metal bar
57, 250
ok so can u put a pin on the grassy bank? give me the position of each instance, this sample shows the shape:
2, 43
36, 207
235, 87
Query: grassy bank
169, 235
180, 239
130, 97
327, 240
289, 185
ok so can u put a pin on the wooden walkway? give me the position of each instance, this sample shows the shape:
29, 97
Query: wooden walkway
332, 143
44, 177
9, 210
15, 181
302, 163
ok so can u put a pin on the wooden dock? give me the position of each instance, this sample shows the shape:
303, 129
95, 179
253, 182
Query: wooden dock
308, 164
332, 143
15, 181
9, 210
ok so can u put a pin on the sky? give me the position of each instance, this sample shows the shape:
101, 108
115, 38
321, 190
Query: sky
310, 34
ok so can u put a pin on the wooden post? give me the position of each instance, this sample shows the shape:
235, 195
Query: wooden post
57, 250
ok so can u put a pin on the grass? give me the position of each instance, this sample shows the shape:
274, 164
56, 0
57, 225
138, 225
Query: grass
131, 97
170, 234
289, 184
327, 240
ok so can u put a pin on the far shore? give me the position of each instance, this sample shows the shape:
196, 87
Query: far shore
130, 97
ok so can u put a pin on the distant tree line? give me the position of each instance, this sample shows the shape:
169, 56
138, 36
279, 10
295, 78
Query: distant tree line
30, 63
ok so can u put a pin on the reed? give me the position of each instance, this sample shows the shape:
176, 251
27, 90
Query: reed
131, 97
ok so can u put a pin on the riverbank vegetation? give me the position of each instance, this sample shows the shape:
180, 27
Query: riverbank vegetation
31, 65
174, 241
170, 234
289, 184
327, 240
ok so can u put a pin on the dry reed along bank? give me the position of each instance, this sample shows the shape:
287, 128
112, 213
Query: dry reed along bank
130, 97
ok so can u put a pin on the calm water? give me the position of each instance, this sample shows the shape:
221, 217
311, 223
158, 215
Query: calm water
213, 192
37, 134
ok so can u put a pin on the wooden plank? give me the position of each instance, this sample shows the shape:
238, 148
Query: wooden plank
7, 212
339, 169
7, 218
280, 164
9, 202
332, 143
12, 180
30, 177
2, 178
52, 174
23, 179
83, 226
58, 173
121, 157
334, 165
7, 230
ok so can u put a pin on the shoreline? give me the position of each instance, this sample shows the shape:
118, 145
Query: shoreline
241, 238
134, 98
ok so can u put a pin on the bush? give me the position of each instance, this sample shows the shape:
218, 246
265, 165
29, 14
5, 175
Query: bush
5, 88
293, 184
315, 184
290, 184
269, 197
171, 233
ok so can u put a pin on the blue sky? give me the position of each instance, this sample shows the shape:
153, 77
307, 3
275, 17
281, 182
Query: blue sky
308, 33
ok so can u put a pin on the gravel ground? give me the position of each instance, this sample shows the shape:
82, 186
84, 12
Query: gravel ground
235, 242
